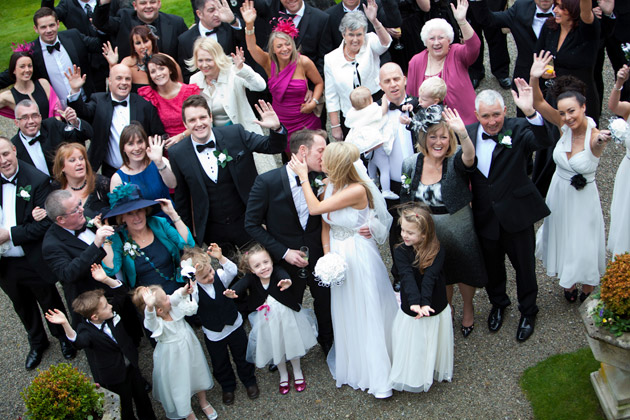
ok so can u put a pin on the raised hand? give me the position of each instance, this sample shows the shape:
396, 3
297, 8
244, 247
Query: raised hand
149, 298
284, 284
166, 206
98, 273
155, 149
248, 12
229, 293
370, 9
268, 117
622, 74
110, 54
55, 316
238, 58
225, 13
215, 251
606, 6
71, 117
524, 98
459, 11
541, 60
75, 79
102, 233
454, 121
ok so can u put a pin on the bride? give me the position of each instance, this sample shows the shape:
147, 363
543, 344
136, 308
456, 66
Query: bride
364, 306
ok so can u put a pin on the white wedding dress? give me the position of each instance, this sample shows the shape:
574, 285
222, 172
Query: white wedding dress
363, 308
619, 234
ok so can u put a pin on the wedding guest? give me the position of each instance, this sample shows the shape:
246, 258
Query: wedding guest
447, 60
354, 63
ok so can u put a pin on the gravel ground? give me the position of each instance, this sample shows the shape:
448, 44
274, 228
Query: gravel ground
487, 366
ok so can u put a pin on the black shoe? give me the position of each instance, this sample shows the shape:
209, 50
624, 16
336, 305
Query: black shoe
68, 351
253, 392
34, 357
475, 83
228, 398
495, 319
525, 328
326, 348
571, 295
273, 368
583, 296
396, 285
505, 82
467, 330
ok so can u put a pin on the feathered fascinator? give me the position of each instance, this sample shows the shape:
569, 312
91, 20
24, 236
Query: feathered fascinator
26, 47
423, 118
285, 25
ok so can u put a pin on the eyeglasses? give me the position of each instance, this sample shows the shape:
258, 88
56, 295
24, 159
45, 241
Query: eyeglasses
33, 117
76, 210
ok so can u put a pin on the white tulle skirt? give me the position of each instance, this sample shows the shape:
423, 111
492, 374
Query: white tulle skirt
619, 235
422, 351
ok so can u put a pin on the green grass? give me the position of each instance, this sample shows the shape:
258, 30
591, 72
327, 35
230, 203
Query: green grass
559, 388
16, 21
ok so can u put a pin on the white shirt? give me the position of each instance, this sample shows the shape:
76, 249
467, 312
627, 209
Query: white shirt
35, 152
56, 64
203, 30
226, 275
207, 158
92, 4
298, 198
538, 23
103, 327
339, 72
120, 119
9, 197
298, 15
402, 146
86, 236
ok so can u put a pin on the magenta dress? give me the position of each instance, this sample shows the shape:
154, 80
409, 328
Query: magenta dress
170, 110
288, 95
459, 90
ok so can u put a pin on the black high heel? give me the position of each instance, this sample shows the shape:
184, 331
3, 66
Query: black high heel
467, 330
571, 295
583, 296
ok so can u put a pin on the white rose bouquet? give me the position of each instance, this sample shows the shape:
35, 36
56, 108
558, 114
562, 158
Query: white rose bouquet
330, 270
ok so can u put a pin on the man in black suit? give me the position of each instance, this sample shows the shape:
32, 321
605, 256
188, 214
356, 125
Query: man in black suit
215, 171
70, 249
216, 21
277, 217
145, 12
111, 354
23, 275
36, 141
109, 113
77, 14
55, 52
506, 204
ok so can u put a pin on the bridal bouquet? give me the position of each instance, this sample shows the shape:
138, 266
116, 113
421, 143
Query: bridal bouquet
619, 129
330, 270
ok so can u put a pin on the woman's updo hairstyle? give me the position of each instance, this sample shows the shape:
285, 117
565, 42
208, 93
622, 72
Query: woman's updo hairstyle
569, 87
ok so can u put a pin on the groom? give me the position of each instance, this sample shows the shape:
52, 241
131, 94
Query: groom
277, 201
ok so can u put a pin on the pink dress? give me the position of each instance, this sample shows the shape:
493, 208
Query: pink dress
288, 95
170, 110
460, 93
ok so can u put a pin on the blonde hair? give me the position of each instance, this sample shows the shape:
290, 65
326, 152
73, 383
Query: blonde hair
339, 158
138, 300
435, 87
200, 258
272, 55
422, 138
213, 48
360, 97
428, 247
255, 248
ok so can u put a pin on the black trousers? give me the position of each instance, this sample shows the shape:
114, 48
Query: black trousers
222, 370
131, 391
394, 230
228, 235
519, 247
497, 46
27, 289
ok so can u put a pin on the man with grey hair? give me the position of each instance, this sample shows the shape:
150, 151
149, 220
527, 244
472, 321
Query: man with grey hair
506, 204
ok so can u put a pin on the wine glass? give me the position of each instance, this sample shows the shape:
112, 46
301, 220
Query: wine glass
303, 272
398, 45
549, 69
58, 112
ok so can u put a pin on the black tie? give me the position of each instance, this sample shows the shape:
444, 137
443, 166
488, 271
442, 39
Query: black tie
357, 75
35, 140
213, 31
88, 11
544, 15
494, 137
202, 147
393, 106
80, 231
116, 103
51, 48
6, 181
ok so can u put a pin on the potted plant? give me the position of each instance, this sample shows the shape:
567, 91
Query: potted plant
606, 316
62, 392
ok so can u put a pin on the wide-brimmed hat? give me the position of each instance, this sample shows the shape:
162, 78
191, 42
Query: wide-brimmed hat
126, 198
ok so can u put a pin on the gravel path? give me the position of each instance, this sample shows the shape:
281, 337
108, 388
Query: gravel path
487, 366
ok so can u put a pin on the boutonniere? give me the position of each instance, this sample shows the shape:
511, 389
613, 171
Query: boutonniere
505, 139
89, 222
405, 181
222, 157
318, 185
25, 193
131, 249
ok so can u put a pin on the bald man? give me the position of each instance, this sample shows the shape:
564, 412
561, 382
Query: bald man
109, 113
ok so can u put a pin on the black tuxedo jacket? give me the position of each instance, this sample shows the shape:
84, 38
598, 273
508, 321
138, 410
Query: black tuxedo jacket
191, 195
519, 18
52, 130
228, 37
99, 110
106, 356
508, 198
168, 26
28, 233
271, 204
79, 47
73, 16
388, 14
70, 259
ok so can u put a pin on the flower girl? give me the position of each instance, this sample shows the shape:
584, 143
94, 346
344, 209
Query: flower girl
422, 337
281, 329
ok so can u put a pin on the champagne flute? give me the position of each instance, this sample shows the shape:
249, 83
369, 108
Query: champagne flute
58, 112
303, 272
549, 69
398, 45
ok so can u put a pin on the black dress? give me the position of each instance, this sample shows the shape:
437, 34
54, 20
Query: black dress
39, 95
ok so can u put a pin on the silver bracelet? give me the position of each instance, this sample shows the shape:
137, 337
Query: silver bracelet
250, 31
162, 168
177, 220
618, 90
335, 126
315, 100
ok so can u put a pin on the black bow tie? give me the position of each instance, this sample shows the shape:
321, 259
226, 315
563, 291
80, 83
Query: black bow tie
6, 181
121, 103
80, 231
544, 15
202, 147
51, 48
393, 106
212, 31
34, 140
494, 137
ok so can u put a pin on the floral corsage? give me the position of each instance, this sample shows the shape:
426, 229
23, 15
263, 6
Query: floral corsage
330, 270
505, 139
24, 193
222, 157
131, 249
318, 185
405, 182
578, 181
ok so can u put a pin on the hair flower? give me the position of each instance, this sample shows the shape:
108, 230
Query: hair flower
285, 25
26, 47
425, 117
